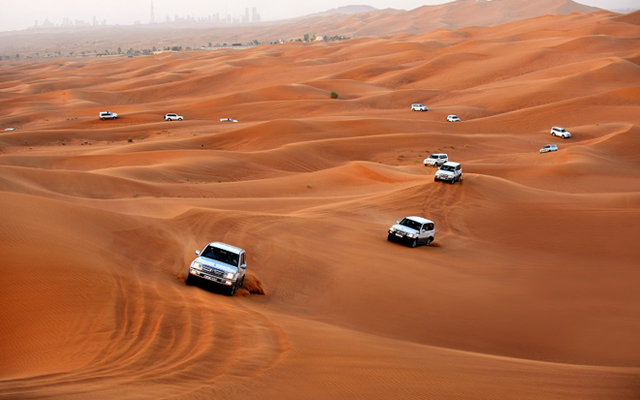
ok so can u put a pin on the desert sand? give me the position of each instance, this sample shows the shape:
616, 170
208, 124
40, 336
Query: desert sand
529, 292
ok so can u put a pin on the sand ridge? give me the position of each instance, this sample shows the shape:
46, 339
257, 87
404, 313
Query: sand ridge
529, 292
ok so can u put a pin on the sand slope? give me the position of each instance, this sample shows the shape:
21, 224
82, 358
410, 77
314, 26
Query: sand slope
530, 291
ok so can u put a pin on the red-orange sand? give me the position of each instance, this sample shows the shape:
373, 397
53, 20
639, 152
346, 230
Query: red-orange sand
530, 292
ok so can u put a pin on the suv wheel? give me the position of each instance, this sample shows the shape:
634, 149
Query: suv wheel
231, 290
414, 244
190, 280
430, 240
390, 237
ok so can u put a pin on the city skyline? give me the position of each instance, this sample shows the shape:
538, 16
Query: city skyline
24, 14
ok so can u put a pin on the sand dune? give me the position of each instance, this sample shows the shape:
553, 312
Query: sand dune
529, 291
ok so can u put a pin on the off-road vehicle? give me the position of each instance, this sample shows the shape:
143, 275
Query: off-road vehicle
453, 118
412, 231
449, 172
219, 263
108, 115
436, 159
560, 132
419, 107
173, 117
548, 148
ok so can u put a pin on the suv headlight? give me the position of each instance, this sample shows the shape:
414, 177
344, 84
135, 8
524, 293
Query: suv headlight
410, 235
391, 230
230, 275
196, 265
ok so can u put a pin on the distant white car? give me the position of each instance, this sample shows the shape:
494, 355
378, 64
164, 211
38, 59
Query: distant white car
419, 107
548, 147
453, 118
449, 172
108, 115
436, 160
560, 132
173, 117
228, 120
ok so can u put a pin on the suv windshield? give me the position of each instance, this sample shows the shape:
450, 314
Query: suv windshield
221, 255
447, 168
411, 224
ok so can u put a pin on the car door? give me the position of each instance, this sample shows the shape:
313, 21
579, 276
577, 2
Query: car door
427, 232
422, 234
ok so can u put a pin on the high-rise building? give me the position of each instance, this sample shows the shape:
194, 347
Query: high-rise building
255, 16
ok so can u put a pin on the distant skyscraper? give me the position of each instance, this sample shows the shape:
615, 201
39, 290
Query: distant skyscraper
152, 20
255, 16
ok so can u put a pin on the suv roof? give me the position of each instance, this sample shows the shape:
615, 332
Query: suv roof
451, 163
420, 220
226, 247
557, 128
438, 155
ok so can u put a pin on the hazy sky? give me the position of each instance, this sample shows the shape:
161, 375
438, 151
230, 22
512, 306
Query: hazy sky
20, 14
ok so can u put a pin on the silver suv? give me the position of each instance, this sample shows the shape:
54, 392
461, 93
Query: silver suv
449, 172
108, 115
219, 263
436, 160
412, 231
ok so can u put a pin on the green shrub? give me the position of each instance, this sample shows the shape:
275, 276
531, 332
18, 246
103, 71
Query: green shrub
334, 95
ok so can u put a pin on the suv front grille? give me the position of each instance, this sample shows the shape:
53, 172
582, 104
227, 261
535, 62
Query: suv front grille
212, 271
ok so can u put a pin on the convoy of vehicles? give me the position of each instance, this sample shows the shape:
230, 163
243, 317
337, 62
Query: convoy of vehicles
226, 265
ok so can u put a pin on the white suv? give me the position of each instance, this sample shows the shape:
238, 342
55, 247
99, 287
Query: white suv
219, 263
561, 132
419, 107
453, 118
449, 172
173, 117
108, 115
413, 231
436, 159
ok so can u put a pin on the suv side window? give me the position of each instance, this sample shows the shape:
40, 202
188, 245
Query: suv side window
428, 227
242, 258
